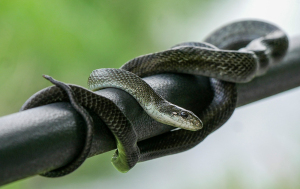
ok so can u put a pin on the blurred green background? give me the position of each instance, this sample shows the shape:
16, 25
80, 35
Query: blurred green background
68, 39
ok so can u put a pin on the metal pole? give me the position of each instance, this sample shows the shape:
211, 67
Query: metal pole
48, 137
282, 77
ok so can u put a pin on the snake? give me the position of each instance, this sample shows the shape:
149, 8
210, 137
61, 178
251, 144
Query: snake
234, 53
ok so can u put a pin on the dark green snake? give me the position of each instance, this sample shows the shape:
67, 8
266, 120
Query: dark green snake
232, 54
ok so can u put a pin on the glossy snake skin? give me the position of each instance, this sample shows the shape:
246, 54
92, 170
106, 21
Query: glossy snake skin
232, 54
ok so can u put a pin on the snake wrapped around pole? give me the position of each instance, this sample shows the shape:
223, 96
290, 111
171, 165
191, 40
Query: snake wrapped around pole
234, 53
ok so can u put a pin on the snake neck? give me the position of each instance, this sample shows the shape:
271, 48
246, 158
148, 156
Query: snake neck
154, 105
128, 82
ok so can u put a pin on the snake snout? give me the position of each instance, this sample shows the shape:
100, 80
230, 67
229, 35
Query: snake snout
196, 125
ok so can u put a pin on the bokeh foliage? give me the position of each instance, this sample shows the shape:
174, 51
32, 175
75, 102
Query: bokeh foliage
65, 39
68, 39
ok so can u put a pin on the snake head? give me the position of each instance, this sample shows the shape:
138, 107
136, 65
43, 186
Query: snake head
181, 118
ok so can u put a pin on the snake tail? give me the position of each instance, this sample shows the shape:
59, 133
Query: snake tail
127, 153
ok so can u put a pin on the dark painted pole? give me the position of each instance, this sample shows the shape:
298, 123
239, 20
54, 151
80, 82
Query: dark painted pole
48, 137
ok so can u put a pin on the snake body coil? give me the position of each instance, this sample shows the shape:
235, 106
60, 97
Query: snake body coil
155, 106
232, 54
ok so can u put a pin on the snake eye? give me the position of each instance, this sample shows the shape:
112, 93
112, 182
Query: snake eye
184, 114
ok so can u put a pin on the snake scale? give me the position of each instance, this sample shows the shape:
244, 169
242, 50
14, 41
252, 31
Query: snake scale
234, 53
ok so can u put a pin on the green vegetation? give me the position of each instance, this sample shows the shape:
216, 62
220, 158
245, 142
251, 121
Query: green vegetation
64, 39
68, 39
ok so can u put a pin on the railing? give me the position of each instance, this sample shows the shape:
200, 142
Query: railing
48, 137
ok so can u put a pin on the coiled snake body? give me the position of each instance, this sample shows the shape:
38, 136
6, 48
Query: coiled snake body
255, 46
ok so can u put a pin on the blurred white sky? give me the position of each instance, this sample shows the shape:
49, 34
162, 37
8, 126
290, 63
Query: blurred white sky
259, 146
199, 23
